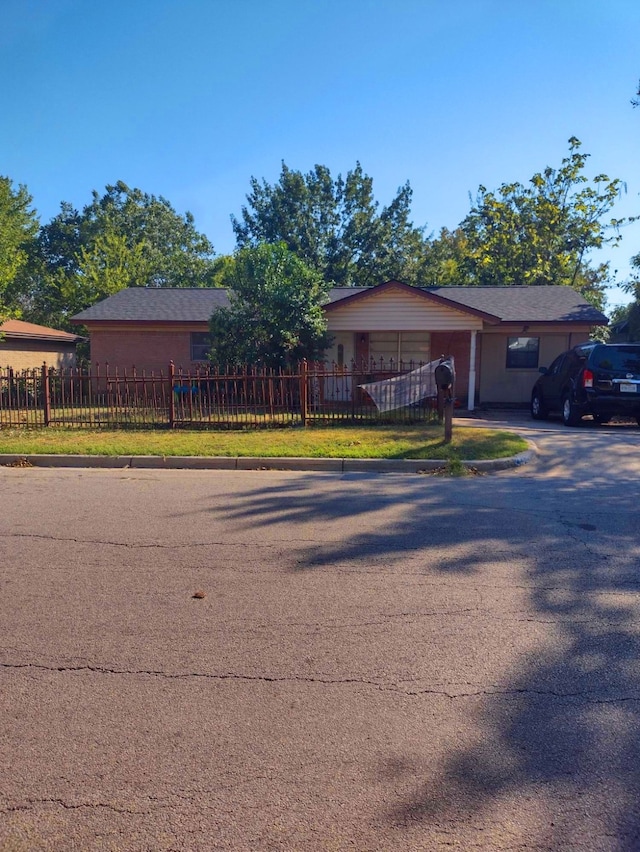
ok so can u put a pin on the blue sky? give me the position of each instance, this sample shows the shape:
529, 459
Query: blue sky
190, 98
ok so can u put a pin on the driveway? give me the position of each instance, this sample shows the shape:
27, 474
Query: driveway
587, 452
379, 662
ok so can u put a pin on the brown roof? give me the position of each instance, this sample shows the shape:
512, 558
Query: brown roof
19, 328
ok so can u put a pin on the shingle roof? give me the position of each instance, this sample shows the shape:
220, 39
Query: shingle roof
145, 304
525, 304
510, 304
17, 328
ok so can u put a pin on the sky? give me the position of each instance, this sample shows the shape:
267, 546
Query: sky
188, 99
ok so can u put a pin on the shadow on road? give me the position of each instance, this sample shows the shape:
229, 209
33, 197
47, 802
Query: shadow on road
564, 724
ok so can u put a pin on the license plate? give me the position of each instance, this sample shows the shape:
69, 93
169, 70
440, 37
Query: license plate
627, 387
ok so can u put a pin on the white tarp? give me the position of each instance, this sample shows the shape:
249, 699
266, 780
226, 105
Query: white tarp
404, 390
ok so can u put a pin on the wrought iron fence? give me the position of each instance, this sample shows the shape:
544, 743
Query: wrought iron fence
232, 398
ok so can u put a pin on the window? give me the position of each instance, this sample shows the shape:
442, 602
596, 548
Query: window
522, 352
200, 345
405, 346
556, 365
624, 359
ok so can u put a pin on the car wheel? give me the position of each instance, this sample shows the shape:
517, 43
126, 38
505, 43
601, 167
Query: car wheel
538, 410
570, 414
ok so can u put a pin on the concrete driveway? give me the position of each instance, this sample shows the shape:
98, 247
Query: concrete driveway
589, 451
380, 662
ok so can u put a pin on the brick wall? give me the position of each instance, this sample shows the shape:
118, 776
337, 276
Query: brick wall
29, 354
145, 349
458, 344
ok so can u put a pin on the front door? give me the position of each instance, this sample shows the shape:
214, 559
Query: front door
361, 348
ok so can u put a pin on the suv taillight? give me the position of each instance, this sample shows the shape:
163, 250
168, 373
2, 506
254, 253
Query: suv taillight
587, 379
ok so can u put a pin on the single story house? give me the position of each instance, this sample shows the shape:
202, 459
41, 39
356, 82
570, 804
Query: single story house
25, 346
499, 336
626, 330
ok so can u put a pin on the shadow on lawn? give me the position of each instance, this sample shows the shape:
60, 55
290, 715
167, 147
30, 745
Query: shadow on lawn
564, 729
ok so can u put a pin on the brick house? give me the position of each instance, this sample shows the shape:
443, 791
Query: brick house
499, 336
24, 346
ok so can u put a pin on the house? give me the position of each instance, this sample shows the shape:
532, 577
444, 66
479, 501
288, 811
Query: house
499, 336
626, 330
24, 346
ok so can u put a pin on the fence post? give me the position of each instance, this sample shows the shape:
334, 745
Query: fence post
304, 393
46, 394
172, 401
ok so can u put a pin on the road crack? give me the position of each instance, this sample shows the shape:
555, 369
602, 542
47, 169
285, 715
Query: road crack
31, 804
453, 694
154, 545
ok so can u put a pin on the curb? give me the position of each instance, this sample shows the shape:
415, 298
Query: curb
254, 463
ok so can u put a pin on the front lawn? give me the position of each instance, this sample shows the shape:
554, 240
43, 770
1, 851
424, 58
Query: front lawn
372, 442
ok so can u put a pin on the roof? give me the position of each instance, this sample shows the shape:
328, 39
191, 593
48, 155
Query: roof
552, 303
13, 328
148, 304
507, 304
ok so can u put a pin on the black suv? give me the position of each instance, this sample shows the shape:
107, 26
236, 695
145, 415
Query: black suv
601, 379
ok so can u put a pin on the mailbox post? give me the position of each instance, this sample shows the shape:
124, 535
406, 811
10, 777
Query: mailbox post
445, 376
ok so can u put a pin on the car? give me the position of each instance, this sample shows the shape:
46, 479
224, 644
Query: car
600, 379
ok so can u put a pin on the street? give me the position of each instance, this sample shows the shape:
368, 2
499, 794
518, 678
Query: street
378, 662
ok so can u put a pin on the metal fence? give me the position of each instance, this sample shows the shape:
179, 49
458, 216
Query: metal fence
238, 398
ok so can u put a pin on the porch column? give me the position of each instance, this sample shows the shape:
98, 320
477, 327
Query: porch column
472, 373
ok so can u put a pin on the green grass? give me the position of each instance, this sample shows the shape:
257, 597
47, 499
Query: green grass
372, 442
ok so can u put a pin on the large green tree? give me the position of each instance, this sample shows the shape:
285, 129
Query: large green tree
18, 228
334, 225
124, 238
542, 233
276, 316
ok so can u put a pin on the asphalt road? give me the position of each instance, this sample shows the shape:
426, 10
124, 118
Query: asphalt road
380, 662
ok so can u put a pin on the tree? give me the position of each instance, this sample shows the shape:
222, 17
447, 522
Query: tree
276, 316
334, 226
542, 233
18, 227
125, 238
446, 261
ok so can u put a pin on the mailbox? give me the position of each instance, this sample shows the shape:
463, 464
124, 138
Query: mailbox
444, 374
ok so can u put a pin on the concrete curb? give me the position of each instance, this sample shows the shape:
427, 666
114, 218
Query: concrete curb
247, 463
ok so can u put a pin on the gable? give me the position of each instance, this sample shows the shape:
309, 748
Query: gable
398, 309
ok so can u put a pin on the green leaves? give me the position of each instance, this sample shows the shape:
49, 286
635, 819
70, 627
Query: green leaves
124, 238
18, 227
276, 316
334, 226
541, 233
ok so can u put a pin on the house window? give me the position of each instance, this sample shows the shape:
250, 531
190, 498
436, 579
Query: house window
200, 345
522, 353
410, 347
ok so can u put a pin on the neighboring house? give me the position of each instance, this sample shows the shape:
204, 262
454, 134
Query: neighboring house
499, 336
626, 330
24, 345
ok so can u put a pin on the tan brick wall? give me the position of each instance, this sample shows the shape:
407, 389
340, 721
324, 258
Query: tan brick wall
27, 355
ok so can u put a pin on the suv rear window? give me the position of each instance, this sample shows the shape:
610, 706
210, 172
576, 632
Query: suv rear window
625, 359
